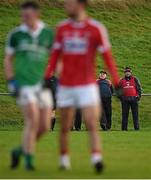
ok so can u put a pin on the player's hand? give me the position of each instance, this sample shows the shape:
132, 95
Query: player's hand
118, 92
47, 84
138, 98
13, 87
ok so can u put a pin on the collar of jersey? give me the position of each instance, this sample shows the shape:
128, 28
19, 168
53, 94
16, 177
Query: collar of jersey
25, 28
81, 24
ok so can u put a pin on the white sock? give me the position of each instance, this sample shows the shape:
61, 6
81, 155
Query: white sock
96, 157
65, 161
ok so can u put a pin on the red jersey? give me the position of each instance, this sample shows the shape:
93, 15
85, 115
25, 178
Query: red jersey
76, 45
129, 87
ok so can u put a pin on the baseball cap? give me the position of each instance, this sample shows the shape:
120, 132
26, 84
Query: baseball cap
128, 69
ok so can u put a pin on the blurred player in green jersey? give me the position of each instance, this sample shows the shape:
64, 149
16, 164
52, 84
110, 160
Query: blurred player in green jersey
27, 50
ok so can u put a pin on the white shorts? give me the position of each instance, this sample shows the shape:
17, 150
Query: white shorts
79, 97
35, 94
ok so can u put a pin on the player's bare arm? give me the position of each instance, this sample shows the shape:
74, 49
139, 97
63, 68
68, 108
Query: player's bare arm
8, 66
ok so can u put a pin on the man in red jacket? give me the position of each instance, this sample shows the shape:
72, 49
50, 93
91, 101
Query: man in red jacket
131, 95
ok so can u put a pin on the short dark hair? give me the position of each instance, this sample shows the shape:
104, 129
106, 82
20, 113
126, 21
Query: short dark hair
85, 2
30, 4
127, 69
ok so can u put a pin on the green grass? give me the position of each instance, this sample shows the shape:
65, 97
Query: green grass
12, 119
126, 155
129, 31
129, 27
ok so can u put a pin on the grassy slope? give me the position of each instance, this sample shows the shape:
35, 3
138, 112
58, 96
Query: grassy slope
130, 36
126, 155
129, 28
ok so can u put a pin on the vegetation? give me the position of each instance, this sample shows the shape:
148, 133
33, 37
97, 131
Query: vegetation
128, 23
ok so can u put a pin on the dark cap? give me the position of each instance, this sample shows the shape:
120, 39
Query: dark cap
29, 4
103, 71
85, 2
128, 69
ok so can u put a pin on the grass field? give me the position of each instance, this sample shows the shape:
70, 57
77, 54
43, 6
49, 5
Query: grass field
126, 155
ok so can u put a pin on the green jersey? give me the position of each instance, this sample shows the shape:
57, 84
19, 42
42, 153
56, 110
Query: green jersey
31, 51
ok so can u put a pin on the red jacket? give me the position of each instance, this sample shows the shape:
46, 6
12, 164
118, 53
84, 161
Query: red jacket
129, 87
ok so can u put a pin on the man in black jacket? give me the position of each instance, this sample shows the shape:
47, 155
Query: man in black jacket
131, 95
106, 91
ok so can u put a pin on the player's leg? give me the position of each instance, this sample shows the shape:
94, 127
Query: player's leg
67, 115
89, 101
45, 103
28, 102
31, 118
91, 116
66, 103
44, 121
31, 115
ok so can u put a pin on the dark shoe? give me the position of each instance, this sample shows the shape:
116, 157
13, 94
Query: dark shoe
15, 159
99, 167
108, 127
103, 126
78, 129
137, 129
30, 168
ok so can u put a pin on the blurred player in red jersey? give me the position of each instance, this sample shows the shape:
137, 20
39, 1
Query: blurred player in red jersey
77, 41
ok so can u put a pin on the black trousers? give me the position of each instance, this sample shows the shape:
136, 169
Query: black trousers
106, 119
126, 105
78, 120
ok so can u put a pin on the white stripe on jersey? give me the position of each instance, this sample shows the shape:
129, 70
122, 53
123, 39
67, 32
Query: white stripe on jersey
103, 36
63, 23
56, 46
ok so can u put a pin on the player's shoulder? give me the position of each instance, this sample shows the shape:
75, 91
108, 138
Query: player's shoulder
14, 31
64, 23
48, 29
96, 24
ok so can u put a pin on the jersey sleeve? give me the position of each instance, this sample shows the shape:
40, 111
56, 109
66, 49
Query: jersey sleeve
10, 44
104, 47
58, 40
103, 39
55, 54
51, 38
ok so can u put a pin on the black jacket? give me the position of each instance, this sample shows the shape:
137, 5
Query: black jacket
105, 87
